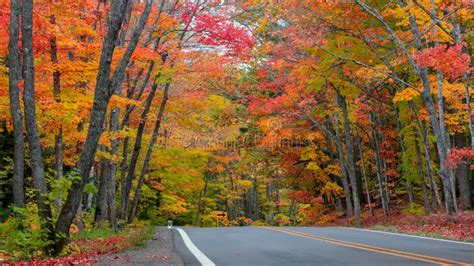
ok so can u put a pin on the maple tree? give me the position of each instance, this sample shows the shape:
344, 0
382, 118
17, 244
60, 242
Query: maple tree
278, 112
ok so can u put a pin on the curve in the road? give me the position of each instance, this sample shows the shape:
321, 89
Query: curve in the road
403, 254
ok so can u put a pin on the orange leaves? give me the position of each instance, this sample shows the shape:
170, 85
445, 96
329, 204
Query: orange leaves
406, 95
122, 102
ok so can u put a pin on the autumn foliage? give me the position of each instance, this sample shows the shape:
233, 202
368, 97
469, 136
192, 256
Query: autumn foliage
277, 112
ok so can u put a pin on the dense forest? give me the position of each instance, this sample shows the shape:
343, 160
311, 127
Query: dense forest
276, 112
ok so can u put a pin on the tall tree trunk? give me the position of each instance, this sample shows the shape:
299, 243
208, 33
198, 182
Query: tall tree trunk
101, 198
123, 171
149, 152
378, 162
409, 185
425, 95
366, 180
136, 153
463, 175
36, 157
201, 203
104, 89
426, 203
14, 77
112, 171
445, 134
423, 132
58, 138
342, 164
439, 135
351, 162
463, 172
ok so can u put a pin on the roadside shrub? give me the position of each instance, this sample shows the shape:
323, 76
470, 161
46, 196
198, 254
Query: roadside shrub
413, 209
281, 219
21, 236
258, 223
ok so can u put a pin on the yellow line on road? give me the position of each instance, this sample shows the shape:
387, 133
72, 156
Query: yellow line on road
408, 255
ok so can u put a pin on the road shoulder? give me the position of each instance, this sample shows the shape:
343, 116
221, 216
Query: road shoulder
159, 250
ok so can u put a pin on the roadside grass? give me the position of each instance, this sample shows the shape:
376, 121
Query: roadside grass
83, 247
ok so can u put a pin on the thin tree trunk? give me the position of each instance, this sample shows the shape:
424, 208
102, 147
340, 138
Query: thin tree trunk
136, 153
464, 183
342, 164
149, 152
14, 77
123, 171
445, 134
36, 157
104, 89
439, 135
423, 132
463, 175
426, 203
112, 170
409, 185
101, 198
378, 162
425, 95
58, 138
366, 180
350, 157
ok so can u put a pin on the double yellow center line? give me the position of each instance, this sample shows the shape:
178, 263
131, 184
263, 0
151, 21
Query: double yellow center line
397, 253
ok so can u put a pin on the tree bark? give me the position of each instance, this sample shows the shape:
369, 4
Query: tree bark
135, 154
36, 157
463, 176
425, 95
342, 164
14, 77
439, 135
149, 152
102, 95
366, 180
101, 198
426, 203
423, 132
378, 162
112, 170
58, 138
350, 157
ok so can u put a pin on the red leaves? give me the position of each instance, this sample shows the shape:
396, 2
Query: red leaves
217, 30
262, 106
458, 156
449, 60
89, 248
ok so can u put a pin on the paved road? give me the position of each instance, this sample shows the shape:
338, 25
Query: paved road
314, 246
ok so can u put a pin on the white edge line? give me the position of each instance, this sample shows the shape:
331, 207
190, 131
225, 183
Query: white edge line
414, 236
203, 259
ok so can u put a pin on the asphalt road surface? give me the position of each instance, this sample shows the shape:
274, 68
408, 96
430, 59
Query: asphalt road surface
314, 246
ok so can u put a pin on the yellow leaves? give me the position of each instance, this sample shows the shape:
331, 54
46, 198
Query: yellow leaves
122, 102
244, 184
367, 75
331, 188
405, 95
314, 167
333, 169
84, 32
173, 204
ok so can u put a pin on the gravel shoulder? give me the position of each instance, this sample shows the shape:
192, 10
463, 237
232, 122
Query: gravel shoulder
159, 250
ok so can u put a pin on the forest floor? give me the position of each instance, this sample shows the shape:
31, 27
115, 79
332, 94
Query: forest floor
439, 225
